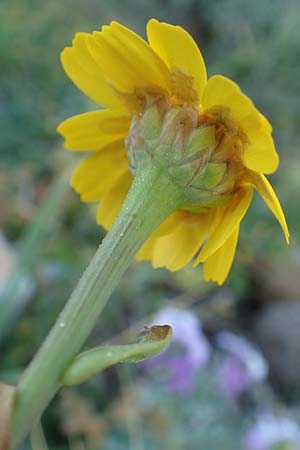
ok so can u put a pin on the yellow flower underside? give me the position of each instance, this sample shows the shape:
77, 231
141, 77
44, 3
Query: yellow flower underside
120, 71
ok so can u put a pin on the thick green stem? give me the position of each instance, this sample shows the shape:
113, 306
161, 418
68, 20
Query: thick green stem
151, 199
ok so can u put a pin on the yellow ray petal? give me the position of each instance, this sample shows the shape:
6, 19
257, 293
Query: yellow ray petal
265, 189
92, 130
220, 90
113, 200
151, 65
218, 265
176, 249
261, 155
146, 251
169, 225
266, 126
83, 70
127, 61
233, 215
177, 49
97, 173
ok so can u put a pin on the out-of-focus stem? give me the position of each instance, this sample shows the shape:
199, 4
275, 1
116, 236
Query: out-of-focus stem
11, 301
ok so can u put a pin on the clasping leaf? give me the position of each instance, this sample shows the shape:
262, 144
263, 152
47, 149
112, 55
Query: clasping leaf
151, 342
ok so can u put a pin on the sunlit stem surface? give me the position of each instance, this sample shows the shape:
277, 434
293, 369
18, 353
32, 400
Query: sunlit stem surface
151, 199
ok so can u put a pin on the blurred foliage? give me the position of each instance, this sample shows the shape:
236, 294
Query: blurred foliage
256, 44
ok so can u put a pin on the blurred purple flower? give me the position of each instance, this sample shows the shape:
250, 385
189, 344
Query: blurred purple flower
270, 430
187, 353
232, 377
243, 366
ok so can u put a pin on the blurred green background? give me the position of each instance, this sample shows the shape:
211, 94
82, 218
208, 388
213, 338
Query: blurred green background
47, 236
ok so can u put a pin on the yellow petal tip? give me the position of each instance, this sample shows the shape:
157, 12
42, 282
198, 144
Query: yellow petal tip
287, 238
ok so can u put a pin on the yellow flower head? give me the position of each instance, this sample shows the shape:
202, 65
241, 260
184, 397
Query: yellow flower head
221, 142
